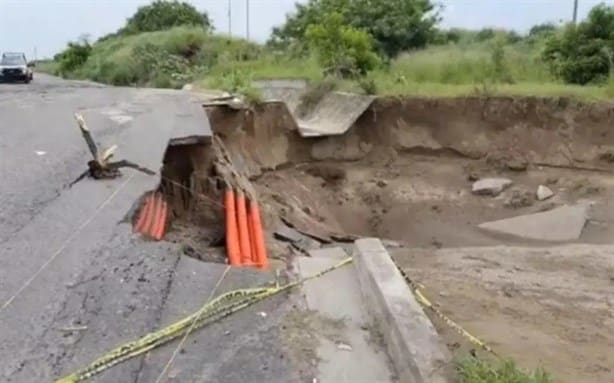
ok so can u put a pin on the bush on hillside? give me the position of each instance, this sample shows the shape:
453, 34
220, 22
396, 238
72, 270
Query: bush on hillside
163, 14
401, 24
73, 57
162, 59
582, 54
343, 51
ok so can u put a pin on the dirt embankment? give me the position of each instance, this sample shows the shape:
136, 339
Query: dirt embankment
554, 132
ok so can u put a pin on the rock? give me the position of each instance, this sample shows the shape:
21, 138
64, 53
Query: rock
517, 164
519, 197
544, 192
188, 87
607, 154
473, 177
552, 180
490, 186
382, 183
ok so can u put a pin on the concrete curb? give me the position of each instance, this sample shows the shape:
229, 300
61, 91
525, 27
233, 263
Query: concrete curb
411, 340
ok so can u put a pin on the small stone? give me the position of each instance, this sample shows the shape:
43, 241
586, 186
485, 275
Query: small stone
517, 164
552, 180
344, 347
519, 198
473, 177
382, 183
544, 192
188, 87
490, 186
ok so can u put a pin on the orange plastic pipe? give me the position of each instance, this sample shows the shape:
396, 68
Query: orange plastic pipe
232, 233
261, 256
161, 221
151, 224
244, 246
144, 214
252, 237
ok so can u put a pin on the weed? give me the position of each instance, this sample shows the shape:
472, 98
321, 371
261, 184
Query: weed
473, 370
368, 85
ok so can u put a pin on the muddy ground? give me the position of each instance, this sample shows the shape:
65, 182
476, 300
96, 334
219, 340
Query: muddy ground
404, 173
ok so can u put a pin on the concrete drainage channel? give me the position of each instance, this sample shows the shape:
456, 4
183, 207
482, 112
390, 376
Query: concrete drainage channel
401, 170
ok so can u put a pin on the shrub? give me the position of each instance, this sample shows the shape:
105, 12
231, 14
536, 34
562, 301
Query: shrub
580, 54
74, 56
342, 50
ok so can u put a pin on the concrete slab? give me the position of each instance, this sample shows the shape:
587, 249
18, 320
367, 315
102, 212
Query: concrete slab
561, 224
297, 239
413, 344
350, 352
334, 114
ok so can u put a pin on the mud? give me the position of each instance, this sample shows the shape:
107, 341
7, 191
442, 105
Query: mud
403, 172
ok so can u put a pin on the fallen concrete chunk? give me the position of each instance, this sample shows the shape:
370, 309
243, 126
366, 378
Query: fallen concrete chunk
297, 239
490, 186
412, 342
544, 192
561, 224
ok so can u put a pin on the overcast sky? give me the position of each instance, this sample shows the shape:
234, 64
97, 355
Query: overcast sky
49, 24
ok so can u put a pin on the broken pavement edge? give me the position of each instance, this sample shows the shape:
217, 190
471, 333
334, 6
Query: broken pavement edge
412, 342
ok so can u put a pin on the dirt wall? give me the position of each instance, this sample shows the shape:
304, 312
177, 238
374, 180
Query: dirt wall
555, 132
259, 139
549, 131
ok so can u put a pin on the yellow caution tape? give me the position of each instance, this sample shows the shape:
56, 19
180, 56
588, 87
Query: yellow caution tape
455, 326
220, 307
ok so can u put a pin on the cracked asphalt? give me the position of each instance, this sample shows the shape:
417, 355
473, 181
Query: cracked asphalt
68, 259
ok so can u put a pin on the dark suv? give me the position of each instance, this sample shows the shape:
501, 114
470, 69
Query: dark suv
15, 67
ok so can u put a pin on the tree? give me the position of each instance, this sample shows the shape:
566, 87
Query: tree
542, 29
163, 14
583, 54
342, 50
395, 25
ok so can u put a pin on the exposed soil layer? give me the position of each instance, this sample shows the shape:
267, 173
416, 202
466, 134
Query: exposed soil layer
404, 172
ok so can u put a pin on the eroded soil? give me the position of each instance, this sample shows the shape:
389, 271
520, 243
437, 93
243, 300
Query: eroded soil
542, 306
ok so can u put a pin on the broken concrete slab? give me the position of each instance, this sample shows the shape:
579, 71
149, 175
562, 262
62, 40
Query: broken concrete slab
490, 186
295, 238
413, 344
334, 114
544, 192
347, 351
561, 224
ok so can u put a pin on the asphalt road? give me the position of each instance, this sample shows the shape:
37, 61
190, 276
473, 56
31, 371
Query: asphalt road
68, 259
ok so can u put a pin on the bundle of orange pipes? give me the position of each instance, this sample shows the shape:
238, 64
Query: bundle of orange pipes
244, 235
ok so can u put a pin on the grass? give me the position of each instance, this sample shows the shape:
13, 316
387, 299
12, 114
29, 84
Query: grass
181, 55
441, 71
473, 370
